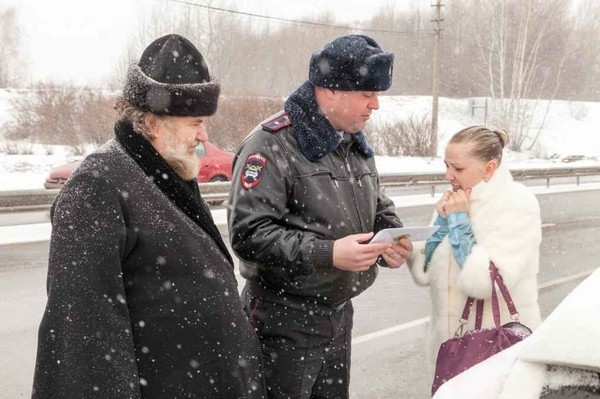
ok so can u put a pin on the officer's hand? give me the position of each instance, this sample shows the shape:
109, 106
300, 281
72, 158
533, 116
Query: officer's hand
351, 254
398, 253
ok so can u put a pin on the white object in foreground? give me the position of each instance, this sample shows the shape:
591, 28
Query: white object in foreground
568, 337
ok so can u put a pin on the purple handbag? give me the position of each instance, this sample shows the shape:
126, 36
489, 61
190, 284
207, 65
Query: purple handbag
464, 351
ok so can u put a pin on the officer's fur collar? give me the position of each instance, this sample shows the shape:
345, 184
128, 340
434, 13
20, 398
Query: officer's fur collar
316, 137
184, 194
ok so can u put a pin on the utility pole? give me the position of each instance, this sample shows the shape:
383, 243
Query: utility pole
436, 75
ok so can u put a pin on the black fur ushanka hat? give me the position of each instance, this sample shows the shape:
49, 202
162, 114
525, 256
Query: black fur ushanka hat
352, 63
172, 78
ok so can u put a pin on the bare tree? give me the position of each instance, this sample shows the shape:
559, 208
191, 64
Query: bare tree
95, 115
62, 114
405, 32
237, 116
520, 47
12, 66
582, 67
408, 137
510, 50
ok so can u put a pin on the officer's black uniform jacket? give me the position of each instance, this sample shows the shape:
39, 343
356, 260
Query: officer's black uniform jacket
142, 297
312, 188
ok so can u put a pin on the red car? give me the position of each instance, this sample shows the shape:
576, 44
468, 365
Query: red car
215, 165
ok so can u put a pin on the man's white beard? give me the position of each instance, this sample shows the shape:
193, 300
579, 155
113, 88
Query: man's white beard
176, 154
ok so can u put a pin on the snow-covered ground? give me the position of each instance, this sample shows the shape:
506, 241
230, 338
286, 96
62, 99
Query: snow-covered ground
571, 128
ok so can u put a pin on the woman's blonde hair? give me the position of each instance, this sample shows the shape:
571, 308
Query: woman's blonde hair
487, 143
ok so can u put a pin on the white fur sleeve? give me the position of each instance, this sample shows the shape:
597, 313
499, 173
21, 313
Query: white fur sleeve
416, 264
511, 240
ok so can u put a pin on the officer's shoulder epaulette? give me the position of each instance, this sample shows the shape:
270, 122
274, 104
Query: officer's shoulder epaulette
277, 123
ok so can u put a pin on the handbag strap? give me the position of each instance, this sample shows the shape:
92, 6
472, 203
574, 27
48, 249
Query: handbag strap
496, 280
467, 309
497, 277
479, 314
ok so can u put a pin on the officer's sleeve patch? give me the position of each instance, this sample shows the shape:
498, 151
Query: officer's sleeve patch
253, 171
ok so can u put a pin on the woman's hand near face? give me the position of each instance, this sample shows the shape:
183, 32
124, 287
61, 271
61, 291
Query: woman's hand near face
442, 203
458, 202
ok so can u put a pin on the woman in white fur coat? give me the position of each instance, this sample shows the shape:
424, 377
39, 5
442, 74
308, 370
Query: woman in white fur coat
486, 216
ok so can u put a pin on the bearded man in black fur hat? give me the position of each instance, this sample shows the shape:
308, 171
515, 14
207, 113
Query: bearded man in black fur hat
305, 201
142, 297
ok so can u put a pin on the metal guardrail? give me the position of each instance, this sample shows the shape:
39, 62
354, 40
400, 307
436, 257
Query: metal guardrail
41, 199
427, 178
31, 200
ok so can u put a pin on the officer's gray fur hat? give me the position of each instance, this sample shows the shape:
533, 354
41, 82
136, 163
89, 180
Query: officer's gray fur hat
172, 78
352, 63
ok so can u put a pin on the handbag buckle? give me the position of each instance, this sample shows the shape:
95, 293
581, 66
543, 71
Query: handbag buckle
459, 331
515, 317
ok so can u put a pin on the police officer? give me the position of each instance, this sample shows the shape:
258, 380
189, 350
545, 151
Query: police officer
305, 201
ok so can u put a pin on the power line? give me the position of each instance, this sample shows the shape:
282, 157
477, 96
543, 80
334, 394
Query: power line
296, 21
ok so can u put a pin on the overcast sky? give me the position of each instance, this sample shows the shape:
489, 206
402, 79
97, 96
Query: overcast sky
82, 40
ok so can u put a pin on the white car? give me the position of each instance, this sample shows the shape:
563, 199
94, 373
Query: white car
561, 359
